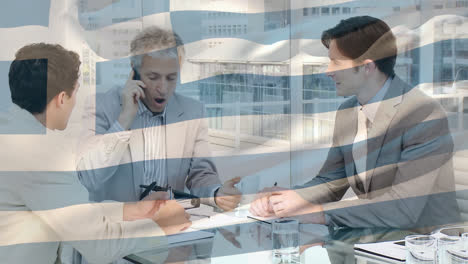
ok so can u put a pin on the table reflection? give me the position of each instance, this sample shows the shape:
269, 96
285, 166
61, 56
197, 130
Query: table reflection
252, 243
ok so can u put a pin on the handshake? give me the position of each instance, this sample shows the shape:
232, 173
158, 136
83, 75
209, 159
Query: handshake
281, 202
168, 214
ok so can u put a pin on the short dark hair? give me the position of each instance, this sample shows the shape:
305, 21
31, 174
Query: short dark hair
364, 37
40, 72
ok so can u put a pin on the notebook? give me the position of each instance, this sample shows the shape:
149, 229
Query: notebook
390, 249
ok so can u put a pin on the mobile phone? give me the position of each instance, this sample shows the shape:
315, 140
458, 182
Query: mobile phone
136, 75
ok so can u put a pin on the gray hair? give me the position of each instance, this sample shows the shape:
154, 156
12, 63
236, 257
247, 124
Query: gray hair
157, 43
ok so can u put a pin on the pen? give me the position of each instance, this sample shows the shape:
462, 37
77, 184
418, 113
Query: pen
176, 194
199, 215
148, 189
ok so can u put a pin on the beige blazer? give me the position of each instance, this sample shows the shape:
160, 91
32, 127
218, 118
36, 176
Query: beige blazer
409, 165
43, 204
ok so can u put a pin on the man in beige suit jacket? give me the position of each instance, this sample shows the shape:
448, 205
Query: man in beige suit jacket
145, 132
391, 144
42, 202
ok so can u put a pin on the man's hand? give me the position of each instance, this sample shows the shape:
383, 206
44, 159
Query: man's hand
288, 203
145, 208
228, 196
172, 218
130, 95
261, 205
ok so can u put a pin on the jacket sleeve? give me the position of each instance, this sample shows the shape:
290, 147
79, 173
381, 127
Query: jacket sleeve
102, 145
96, 230
331, 183
202, 179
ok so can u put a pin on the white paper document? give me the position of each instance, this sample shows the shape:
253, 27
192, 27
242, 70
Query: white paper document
386, 249
244, 211
219, 220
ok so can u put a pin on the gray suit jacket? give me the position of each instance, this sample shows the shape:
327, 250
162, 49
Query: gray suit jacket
113, 170
409, 165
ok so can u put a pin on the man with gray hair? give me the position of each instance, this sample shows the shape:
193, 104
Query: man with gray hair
147, 133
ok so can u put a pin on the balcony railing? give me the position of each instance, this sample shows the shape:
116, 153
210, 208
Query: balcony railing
232, 124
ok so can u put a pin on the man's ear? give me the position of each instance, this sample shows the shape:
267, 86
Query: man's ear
60, 99
369, 66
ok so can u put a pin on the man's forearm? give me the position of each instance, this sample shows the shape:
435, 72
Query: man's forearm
101, 155
130, 212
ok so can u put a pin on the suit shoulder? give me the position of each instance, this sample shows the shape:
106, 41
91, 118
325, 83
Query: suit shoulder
109, 98
189, 104
188, 100
111, 94
417, 100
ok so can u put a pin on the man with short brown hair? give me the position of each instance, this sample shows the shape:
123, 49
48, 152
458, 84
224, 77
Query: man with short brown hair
42, 202
391, 144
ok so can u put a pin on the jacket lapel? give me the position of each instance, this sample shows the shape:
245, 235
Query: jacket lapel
382, 121
175, 138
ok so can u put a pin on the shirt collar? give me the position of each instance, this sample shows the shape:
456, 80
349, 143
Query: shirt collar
370, 109
142, 110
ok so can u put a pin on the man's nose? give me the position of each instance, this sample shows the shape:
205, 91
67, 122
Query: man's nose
162, 86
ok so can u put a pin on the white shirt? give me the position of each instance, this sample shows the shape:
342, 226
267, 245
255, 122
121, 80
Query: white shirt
154, 144
366, 118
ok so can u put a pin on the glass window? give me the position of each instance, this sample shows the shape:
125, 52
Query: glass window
461, 3
325, 11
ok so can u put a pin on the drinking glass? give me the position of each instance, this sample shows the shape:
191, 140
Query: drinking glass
464, 238
285, 233
457, 256
420, 249
447, 243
